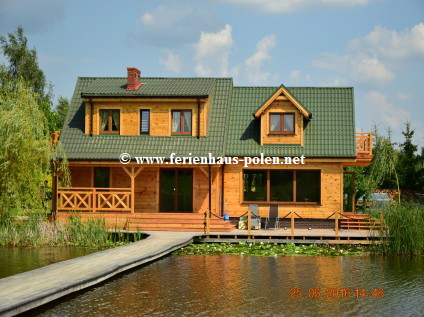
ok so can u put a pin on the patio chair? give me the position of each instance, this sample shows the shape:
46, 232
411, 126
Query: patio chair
255, 218
273, 216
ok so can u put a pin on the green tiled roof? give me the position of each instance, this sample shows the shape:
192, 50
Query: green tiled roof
330, 132
161, 87
108, 147
232, 129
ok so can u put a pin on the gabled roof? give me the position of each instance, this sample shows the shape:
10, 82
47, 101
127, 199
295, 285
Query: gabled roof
80, 146
232, 131
330, 133
282, 90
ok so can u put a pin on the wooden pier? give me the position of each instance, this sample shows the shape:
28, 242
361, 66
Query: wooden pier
28, 290
25, 291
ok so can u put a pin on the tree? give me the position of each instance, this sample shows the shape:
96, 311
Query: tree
25, 148
410, 173
61, 111
23, 63
382, 167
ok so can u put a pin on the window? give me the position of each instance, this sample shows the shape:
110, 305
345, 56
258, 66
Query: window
281, 123
101, 177
144, 121
282, 186
254, 185
109, 121
181, 122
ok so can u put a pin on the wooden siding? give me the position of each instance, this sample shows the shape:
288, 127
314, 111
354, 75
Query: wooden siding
331, 191
160, 115
281, 107
146, 191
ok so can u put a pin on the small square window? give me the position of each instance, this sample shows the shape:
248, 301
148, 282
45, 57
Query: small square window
181, 122
281, 123
109, 121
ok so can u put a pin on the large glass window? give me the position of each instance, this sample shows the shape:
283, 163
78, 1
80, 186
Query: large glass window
308, 187
281, 185
254, 185
109, 121
284, 186
281, 123
144, 121
181, 122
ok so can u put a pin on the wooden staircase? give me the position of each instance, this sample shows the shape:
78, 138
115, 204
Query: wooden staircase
176, 222
359, 222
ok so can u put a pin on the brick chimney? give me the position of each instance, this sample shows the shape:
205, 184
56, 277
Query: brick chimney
133, 78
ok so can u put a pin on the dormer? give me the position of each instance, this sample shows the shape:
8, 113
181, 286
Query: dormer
282, 119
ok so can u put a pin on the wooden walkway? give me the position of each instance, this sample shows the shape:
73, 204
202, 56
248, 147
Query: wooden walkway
25, 291
22, 292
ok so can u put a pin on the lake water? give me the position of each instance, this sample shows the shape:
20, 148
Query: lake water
228, 285
18, 260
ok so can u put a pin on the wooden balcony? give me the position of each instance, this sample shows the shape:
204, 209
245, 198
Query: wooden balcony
363, 149
94, 199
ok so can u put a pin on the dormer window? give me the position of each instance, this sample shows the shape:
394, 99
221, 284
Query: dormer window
281, 123
109, 121
181, 122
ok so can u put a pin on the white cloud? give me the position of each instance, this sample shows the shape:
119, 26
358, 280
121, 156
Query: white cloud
173, 25
212, 52
393, 44
254, 64
358, 66
147, 19
286, 6
403, 96
393, 116
295, 75
171, 62
370, 59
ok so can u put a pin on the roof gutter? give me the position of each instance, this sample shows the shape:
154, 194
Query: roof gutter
85, 95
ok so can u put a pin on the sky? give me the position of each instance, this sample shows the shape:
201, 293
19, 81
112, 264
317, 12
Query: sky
375, 46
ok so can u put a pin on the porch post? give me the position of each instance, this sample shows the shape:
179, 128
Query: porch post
292, 224
132, 189
54, 193
337, 225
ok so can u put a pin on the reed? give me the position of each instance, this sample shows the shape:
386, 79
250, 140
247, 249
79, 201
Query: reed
403, 229
36, 231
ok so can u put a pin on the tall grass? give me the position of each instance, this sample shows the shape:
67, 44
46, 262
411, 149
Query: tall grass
403, 229
37, 231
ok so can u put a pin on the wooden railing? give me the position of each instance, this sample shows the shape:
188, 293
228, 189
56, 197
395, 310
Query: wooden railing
94, 199
363, 143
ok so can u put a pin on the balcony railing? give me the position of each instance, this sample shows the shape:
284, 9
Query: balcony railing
94, 199
363, 143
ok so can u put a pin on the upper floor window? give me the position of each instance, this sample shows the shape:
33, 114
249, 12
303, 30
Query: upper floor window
281, 123
144, 121
109, 122
181, 122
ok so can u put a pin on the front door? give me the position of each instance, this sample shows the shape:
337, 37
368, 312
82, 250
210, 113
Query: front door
176, 190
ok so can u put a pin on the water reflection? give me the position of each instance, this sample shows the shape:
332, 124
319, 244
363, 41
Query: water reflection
18, 260
255, 286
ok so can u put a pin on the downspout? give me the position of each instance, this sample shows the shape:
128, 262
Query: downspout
198, 118
91, 117
222, 190
210, 189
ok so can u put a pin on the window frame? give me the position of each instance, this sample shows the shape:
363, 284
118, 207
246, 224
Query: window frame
182, 122
148, 128
268, 201
281, 131
110, 122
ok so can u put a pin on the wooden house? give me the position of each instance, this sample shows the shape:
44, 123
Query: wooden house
208, 124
